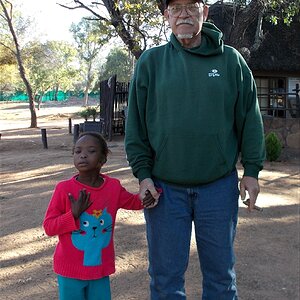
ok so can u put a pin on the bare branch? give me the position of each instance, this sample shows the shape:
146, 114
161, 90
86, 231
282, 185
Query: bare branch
83, 6
7, 47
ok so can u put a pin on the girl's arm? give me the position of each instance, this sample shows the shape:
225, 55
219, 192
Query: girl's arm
135, 201
128, 200
59, 218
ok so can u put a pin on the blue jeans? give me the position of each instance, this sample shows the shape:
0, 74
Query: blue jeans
214, 209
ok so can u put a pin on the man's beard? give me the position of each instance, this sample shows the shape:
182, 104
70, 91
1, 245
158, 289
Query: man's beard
183, 36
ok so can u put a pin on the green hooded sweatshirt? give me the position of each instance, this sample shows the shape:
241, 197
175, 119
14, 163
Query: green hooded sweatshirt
192, 112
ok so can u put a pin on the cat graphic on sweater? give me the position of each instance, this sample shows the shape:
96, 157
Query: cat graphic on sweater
94, 235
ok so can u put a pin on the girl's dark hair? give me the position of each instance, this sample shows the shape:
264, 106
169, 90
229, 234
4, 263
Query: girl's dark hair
102, 143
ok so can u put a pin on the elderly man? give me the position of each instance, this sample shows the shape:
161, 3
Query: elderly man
192, 112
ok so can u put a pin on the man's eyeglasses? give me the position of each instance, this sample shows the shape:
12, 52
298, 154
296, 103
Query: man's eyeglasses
191, 9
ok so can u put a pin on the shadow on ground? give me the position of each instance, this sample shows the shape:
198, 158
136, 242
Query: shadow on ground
267, 243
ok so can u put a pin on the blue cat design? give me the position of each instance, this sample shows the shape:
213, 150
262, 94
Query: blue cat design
94, 235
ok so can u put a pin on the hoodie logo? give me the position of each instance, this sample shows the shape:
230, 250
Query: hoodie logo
214, 73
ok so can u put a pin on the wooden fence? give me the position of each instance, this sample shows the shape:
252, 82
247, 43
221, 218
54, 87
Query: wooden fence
113, 106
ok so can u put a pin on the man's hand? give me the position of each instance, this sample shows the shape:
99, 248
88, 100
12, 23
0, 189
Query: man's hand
149, 201
148, 193
251, 185
81, 204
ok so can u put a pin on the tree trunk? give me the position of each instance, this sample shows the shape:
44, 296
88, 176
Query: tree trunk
242, 20
8, 19
33, 123
119, 25
86, 96
39, 102
56, 93
259, 33
88, 83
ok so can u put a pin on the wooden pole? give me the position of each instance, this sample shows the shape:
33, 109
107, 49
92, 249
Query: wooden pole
70, 126
76, 133
44, 138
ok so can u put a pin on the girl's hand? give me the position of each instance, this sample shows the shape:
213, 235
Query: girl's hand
149, 201
81, 204
147, 185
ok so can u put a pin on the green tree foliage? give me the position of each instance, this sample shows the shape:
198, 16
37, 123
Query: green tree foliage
90, 111
63, 65
9, 74
139, 24
90, 36
11, 40
283, 10
242, 16
118, 62
51, 65
21, 24
273, 10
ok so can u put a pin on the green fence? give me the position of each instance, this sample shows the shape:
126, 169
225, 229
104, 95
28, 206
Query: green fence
49, 96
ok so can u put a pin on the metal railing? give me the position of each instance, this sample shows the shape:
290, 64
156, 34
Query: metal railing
280, 104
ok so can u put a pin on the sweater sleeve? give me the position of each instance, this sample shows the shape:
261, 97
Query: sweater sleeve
59, 218
130, 201
249, 125
137, 145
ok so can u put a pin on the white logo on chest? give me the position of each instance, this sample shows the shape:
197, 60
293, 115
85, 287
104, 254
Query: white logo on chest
214, 73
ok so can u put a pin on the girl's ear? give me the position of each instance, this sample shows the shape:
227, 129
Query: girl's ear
100, 164
102, 160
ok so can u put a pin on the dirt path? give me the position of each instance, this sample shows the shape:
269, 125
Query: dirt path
267, 243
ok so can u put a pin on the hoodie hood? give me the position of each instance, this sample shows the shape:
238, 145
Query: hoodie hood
211, 41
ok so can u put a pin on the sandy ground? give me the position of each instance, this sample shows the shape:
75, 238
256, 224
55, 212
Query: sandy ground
267, 243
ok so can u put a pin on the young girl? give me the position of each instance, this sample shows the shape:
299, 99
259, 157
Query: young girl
82, 213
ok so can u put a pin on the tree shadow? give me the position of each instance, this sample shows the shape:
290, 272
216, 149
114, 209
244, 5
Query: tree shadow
267, 243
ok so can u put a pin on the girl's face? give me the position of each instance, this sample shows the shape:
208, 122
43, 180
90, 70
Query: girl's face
88, 155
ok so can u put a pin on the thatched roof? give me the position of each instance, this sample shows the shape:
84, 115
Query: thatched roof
280, 47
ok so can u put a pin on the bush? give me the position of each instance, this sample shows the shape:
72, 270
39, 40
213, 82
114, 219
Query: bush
93, 112
84, 114
89, 112
273, 146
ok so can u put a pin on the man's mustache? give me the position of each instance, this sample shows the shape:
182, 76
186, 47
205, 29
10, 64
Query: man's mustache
185, 21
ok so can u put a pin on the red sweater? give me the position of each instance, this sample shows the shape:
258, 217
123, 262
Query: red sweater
85, 249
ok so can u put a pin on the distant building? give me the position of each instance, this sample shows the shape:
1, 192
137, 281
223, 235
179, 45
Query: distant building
275, 64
